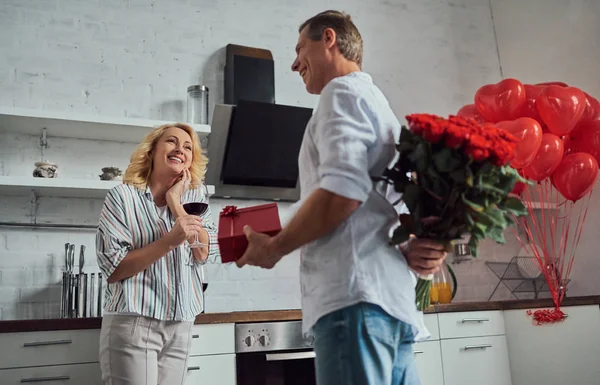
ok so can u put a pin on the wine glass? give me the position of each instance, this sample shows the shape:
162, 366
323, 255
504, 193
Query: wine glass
204, 281
196, 208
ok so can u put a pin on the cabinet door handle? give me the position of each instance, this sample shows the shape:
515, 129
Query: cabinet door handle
465, 320
46, 343
193, 368
45, 379
484, 346
418, 352
195, 335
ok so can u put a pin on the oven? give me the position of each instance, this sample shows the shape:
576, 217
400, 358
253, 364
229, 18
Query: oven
273, 353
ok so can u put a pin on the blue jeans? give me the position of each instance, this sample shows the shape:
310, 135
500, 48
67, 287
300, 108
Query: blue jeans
364, 345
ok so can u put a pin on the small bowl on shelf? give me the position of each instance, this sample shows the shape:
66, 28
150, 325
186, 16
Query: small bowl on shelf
111, 173
45, 170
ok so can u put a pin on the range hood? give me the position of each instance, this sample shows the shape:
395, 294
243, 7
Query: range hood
253, 150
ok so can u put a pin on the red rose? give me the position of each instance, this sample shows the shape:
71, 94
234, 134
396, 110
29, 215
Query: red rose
455, 136
433, 133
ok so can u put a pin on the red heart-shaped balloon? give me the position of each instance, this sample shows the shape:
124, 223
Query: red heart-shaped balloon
529, 108
576, 175
585, 138
560, 84
592, 109
469, 111
547, 158
501, 101
529, 133
560, 108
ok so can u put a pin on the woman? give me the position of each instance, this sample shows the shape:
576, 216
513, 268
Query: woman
154, 289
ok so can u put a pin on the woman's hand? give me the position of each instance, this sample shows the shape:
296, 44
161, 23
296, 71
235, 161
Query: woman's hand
185, 227
178, 189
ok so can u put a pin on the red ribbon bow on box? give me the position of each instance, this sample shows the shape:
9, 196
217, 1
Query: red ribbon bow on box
229, 211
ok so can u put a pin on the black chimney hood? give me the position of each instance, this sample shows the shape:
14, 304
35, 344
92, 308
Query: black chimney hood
253, 150
249, 74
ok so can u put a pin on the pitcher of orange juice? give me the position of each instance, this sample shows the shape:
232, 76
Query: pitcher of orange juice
443, 286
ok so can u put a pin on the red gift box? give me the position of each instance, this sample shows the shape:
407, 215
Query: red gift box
231, 237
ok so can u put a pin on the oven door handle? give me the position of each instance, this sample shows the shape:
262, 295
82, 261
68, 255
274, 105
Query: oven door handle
290, 356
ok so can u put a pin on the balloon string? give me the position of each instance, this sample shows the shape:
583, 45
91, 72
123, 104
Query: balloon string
578, 232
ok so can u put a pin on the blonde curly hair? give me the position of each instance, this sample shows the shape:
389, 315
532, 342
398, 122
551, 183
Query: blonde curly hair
140, 164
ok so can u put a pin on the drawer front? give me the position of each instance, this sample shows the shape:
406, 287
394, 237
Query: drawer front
212, 339
431, 323
428, 356
471, 324
213, 370
80, 374
48, 348
476, 360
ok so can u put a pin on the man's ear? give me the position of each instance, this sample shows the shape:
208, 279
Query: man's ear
329, 37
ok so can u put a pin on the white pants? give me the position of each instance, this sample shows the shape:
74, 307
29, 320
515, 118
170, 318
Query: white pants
136, 350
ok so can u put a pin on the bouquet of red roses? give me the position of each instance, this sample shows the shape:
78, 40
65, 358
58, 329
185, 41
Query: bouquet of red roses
455, 179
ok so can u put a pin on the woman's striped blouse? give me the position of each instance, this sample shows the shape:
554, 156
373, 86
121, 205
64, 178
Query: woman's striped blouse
170, 288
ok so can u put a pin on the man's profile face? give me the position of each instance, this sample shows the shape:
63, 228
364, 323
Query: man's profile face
311, 61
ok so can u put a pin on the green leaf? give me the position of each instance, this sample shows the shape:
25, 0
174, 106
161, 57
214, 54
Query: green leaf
405, 147
470, 220
497, 217
469, 175
473, 244
497, 234
492, 189
445, 160
510, 220
401, 234
485, 219
458, 176
474, 206
411, 196
420, 157
515, 205
479, 231
406, 135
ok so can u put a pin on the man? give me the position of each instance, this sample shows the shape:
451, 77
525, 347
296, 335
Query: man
358, 295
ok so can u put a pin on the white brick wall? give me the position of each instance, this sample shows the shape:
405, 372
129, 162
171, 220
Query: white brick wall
136, 58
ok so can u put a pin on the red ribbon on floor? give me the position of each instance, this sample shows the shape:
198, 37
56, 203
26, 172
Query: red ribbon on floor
544, 316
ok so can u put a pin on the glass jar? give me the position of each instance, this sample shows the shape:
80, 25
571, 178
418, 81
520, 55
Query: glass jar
443, 286
197, 104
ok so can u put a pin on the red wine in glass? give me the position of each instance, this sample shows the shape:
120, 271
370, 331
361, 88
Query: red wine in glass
196, 208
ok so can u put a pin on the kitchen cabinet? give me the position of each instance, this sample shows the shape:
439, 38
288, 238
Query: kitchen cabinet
78, 374
429, 362
71, 356
48, 348
216, 369
212, 355
465, 348
476, 360
428, 355
554, 354
212, 339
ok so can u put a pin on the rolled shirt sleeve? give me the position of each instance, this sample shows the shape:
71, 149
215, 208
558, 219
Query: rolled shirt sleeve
113, 237
344, 133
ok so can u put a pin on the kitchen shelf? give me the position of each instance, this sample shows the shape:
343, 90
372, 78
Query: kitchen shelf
71, 125
59, 187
